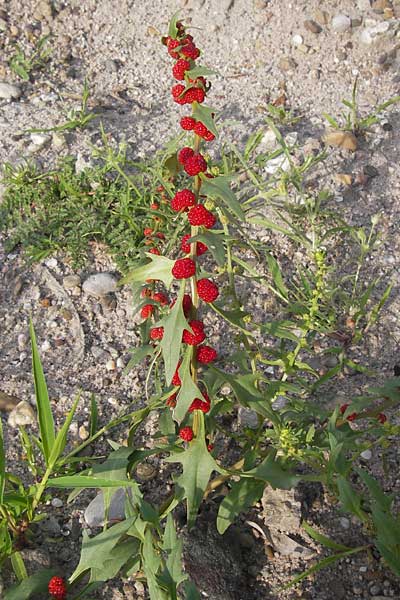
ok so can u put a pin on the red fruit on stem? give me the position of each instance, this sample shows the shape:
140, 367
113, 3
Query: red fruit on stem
193, 94
197, 337
160, 235
161, 298
195, 164
179, 69
199, 215
176, 380
187, 304
157, 333
185, 246
147, 311
382, 418
186, 434
207, 290
352, 417
155, 251
177, 91
171, 401
185, 154
57, 588
201, 130
343, 408
172, 45
190, 51
184, 268
147, 231
187, 123
206, 354
198, 404
183, 200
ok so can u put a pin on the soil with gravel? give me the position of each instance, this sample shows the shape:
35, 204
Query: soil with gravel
310, 52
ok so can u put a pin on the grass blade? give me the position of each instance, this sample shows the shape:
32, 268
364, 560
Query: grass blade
2, 464
94, 415
322, 539
45, 416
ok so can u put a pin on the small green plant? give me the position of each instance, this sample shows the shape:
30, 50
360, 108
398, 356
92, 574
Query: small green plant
352, 120
23, 65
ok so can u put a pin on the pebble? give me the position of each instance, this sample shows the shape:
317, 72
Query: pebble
94, 513
39, 140
312, 26
83, 433
247, 418
45, 347
375, 589
57, 502
71, 281
341, 23
100, 284
344, 522
120, 363
110, 365
287, 63
343, 139
146, 471
22, 341
139, 587
366, 454
297, 40
370, 34
9, 91
22, 414
58, 140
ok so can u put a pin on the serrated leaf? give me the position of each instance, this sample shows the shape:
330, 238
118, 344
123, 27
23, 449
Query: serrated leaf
188, 390
172, 29
172, 574
215, 243
159, 268
270, 470
174, 325
151, 565
219, 187
204, 114
96, 551
45, 416
243, 495
138, 354
123, 552
197, 466
199, 71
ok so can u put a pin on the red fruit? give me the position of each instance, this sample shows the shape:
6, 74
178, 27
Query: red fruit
343, 408
206, 354
154, 206
186, 434
207, 290
195, 164
179, 68
210, 447
147, 231
182, 200
160, 235
199, 215
197, 337
177, 91
185, 154
176, 380
157, 333
185, 247
194, 94
352, 417
201, 130
203, 405
57, 588
147, 311
184, 268
171, 401
171, 45
382, 418
161, 298
154, 251
187, 123
190, 51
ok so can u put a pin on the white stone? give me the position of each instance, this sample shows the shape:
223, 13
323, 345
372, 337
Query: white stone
248, 418
297, 40
276, 164
39, 139
369, 34
57, 502
100, 284
366, 455
8, 91
345, 523
45, 347
22, 414
341, 23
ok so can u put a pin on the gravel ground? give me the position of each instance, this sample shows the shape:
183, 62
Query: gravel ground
310, 51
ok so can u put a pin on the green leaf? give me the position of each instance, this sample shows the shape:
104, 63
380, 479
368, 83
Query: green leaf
172, 29
322, 539
45, 416
197, 466
199, 71
188, 390
137, 355
204, 114
219, 187
2, 464
351, 501
243, 495
94, 415
35, 584
18, 566
90, 482
280, 329
234, 317
159, 268
277, 275
215, 242
151, 566
375, 490
172, 574
123, 552
61, 438
270, 470
191, 592
174, 325
97, 551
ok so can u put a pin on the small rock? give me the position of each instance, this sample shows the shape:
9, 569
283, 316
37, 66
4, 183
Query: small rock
120, 363
100, 284
356, 23
341, 23
286, 546
247, 418
344, 178
287, 63
344, 523
378, 6
375, 589
94, 513
58, 140
146, 471
274, 165
83, 433
50, 526
312, 26
66, 314
280, 510
297, 40
370, 34
139, 587
366, 454
9, 91
22, 414
39, 139
110, 365
71, 281
35, 559
342, 139
57, 502
46, 346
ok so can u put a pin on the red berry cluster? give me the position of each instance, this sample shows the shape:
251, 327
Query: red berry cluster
57, 588
381, 417
190, 203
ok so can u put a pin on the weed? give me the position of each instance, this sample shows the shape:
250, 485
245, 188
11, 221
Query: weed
23, 65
